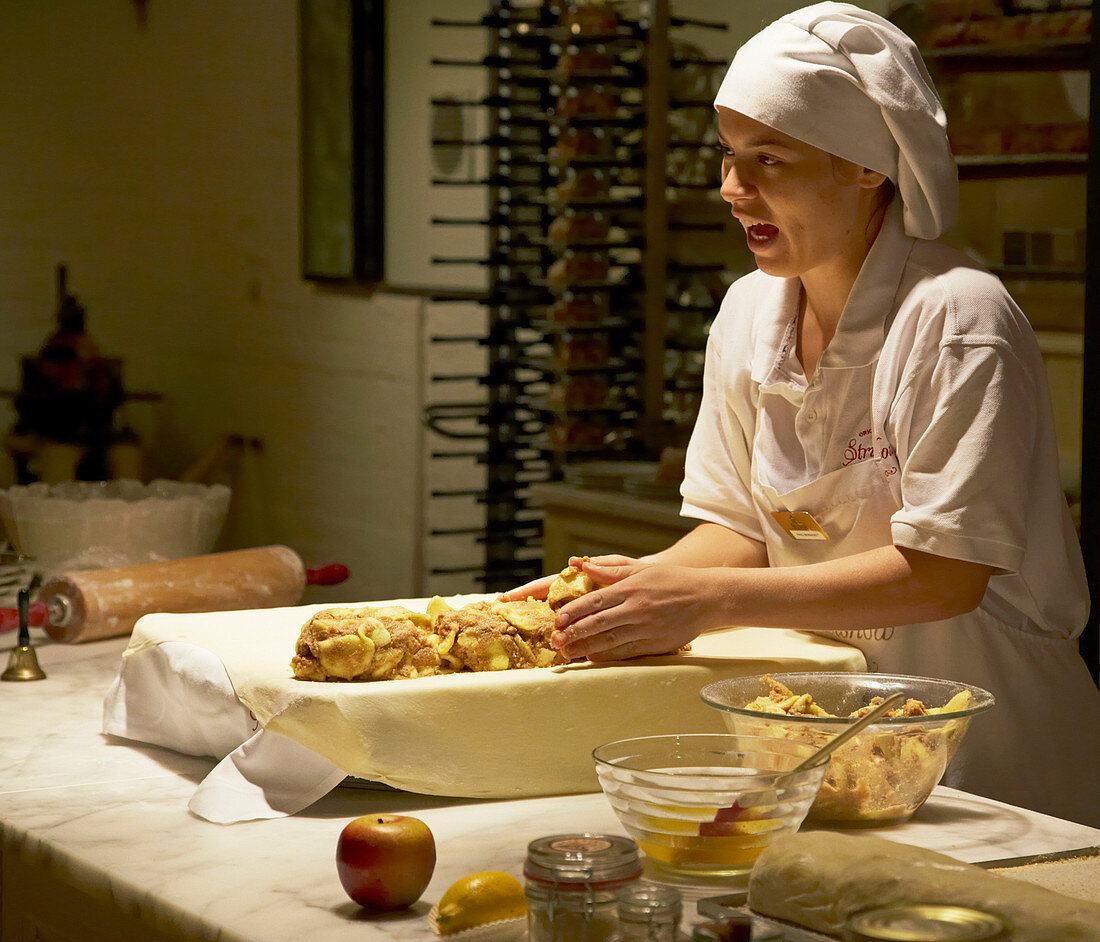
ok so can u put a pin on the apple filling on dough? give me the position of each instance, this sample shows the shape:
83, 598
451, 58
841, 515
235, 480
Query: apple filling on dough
571, 583
496, 636
367, 644
390, 643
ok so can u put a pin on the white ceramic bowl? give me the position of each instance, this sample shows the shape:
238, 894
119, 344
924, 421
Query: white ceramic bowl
105, 524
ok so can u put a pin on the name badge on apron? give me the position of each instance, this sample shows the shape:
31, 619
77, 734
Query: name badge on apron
800, 525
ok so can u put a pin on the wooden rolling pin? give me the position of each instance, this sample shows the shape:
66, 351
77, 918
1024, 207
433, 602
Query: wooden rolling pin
102, 603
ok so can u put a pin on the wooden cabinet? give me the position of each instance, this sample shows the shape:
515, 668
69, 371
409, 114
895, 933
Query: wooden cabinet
579, 521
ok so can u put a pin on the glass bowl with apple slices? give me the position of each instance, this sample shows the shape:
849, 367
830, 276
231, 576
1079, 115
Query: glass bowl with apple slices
704, 805
885, 773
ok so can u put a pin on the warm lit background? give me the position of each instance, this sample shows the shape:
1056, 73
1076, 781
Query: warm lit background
159, 161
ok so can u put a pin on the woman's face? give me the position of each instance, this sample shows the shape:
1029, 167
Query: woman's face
802, 208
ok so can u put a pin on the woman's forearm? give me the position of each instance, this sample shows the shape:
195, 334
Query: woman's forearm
650, 607
710, 544
885, 586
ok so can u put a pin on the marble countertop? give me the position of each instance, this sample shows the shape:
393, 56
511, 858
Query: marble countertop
113, 814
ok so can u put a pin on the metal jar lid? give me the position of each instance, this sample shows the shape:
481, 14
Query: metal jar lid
925, 922
582, 859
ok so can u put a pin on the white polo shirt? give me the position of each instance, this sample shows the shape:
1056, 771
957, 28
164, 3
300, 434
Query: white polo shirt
959, 392
927, 424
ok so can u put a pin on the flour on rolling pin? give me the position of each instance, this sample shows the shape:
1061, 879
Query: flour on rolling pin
102, 603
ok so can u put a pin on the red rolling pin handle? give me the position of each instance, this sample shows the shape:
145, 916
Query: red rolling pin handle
39, 615
327, 574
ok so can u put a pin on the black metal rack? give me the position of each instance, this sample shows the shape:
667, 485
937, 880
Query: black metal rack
582, 285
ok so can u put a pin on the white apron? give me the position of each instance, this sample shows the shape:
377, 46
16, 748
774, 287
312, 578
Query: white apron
1039, 746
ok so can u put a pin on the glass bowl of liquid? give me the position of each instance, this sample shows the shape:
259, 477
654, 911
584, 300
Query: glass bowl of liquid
704, 805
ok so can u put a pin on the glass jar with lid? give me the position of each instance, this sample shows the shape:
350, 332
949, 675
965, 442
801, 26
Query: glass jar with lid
571, 882
649, 912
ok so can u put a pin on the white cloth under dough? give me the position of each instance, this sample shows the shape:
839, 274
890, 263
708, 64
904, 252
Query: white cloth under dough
178, 695
220, 684
927, 425
853, 84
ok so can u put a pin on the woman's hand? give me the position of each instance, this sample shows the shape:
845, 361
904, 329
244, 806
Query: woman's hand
538, 588
531, 590
640, 608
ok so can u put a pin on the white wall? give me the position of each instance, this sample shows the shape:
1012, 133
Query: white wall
160, 163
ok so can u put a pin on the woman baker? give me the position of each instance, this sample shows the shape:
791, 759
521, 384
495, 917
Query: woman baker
875, 452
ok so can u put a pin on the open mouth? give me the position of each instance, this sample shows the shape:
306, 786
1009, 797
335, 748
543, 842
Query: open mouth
762, 233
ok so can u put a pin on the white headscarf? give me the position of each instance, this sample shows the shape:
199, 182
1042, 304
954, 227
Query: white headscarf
853, 84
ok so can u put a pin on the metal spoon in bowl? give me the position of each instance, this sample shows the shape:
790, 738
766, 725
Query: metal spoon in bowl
752, 799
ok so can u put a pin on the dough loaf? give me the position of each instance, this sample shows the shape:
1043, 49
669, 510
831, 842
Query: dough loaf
818, 879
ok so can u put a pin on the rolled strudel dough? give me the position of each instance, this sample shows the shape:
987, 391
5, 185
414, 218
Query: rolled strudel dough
488, 734
820, 878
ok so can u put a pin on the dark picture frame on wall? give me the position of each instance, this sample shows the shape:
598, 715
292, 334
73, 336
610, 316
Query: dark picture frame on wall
341, 67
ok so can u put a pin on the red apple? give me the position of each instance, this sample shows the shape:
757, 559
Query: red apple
385, 860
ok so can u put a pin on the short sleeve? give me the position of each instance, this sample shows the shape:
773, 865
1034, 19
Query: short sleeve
971, 417
717, 485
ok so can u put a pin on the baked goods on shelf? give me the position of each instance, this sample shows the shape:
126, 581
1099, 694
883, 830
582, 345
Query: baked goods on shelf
594, 18
581, 185
572, 227
578, 352
570, 433
579, 392
1021, 139
995, 29
578, 268
577, 310
585, 61
591, 101
579, 144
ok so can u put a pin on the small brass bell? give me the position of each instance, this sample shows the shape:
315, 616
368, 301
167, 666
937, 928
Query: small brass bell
23, 662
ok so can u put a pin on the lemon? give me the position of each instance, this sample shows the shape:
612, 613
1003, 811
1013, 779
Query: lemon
478, 899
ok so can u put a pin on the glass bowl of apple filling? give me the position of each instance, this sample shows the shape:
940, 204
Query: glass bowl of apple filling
884, 774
